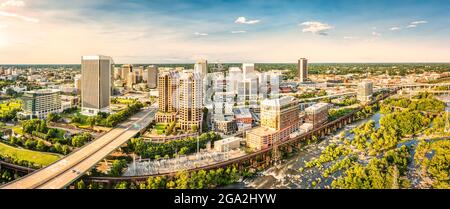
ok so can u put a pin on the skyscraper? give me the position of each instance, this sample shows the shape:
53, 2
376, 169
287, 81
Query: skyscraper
302, 68
96, 84
168, 96
248, 69
201, 66
126, 69
152, 76
365, 91
190, 102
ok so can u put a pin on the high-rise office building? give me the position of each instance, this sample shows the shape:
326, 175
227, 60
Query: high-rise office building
302, 68
365, 91
39, 103
152, 76
131, 80
168, 82
201, 66
233, 77
117, 73
191, 101
248, 70
248, 90
96, 84
126, 69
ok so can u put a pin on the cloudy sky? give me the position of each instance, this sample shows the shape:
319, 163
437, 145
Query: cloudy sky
162, 31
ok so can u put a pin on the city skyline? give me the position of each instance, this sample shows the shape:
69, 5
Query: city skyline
52, 32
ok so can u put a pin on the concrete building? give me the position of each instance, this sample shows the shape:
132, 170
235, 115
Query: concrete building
201, 67
302, 68
190, 101
126, 69
317, 114
96, 84
152, 76
117, 73
39, 103
234, 76
77, 82
227, 144
365, 91
225, 124
131, 80
279, 113
243, 115
279, 119
168, 82
248, 70
248, 91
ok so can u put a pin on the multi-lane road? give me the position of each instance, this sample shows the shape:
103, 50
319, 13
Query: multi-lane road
66, 170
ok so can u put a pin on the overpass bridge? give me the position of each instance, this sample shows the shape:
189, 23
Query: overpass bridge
66, 170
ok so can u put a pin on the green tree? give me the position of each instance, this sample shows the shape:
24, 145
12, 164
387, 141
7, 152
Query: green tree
81, 185
41, 146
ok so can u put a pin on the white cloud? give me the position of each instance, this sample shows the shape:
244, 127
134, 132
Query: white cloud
376, 34
419, 22
350, 37
394, 28
316, 27
411, 26
13, 3
17, 16
238, 31
200, 34
243, 20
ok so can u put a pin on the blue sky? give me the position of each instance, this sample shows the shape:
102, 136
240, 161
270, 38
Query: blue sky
163, 31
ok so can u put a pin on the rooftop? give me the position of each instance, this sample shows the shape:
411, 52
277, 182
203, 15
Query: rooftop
278, 102
262, 131
42, 91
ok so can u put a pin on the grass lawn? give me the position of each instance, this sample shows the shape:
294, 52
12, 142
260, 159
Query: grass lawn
160, 127
18, 130
125, 101
41, 158
83, 120
9, 106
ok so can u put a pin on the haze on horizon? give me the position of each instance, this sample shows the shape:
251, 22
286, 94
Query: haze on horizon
325, 31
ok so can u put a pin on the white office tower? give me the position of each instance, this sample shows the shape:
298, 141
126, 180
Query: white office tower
190, 101
302, 68
365, 91
96, 84
248, 69
248, 91
201, 67
274, 79
233, 77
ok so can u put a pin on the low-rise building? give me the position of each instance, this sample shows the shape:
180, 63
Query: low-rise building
243, 115
225, 124
227, 144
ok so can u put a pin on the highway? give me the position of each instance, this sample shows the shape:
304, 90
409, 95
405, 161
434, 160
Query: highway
66, 170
